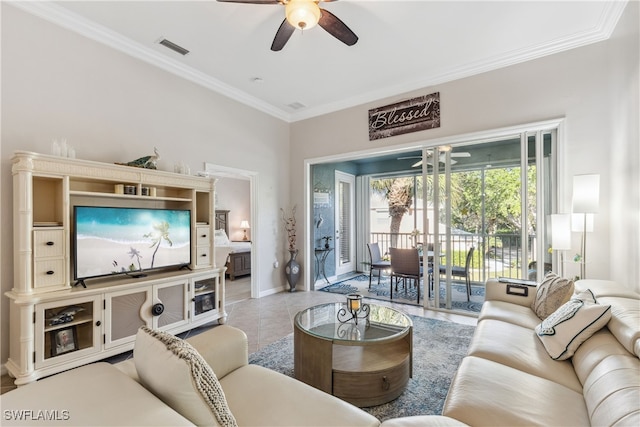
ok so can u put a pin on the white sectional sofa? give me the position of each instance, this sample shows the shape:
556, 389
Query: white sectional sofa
509, 379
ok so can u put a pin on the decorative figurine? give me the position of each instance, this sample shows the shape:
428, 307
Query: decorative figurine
147, 162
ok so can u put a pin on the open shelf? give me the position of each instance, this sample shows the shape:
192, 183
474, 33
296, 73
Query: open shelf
128, 196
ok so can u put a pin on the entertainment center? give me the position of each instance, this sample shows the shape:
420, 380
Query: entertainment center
100, 250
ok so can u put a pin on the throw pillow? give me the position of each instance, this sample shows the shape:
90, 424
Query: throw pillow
572, 324
176, 373
551, 294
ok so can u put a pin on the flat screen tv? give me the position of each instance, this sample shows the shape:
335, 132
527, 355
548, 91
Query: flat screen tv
110, 240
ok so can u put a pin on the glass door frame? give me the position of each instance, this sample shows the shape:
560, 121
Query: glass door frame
461, 139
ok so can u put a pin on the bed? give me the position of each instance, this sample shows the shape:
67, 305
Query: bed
235, 255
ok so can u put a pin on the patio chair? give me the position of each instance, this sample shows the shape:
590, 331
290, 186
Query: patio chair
533, 270
462, 272
405, 265
377, 263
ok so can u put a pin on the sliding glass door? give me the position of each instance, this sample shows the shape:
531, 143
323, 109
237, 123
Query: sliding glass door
488, 202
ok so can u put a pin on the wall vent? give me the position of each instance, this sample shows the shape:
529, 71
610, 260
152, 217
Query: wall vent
296, 105
174, 47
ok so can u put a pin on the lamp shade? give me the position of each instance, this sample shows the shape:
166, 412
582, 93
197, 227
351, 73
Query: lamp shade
586, 193
579, 221
244, 224
561, 232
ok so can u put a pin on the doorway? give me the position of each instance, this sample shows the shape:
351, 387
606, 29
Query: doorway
345, 223
529, 154
240, 200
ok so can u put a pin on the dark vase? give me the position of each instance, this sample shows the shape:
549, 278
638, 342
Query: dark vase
292, 270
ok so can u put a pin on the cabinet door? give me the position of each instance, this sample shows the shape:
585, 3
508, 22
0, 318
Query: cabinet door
125, 312
67, 330
205, 296
173, 298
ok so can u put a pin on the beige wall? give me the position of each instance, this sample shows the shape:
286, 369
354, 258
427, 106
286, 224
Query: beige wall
595, 88
114, 108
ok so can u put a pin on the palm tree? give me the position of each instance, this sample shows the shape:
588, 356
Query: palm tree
161, 232
399, 195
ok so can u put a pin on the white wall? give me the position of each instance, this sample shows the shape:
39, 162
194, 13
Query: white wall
114, 108
595, 88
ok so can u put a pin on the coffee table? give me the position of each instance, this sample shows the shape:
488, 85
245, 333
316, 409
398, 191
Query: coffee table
366, 364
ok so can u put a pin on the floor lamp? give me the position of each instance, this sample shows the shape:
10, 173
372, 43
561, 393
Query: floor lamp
561, 236
586, 195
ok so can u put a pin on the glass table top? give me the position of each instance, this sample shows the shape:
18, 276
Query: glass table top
383, 323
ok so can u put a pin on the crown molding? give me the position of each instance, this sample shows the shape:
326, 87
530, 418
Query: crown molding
69, 20
64, 18
608, 21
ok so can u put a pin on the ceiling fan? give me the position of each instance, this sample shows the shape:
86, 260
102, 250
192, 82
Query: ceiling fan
304, 15
441, 159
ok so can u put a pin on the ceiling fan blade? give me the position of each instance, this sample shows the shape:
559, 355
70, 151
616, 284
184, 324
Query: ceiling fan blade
251, 1
282, 36
334, 26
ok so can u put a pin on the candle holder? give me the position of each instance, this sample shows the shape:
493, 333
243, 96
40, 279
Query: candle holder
355, 309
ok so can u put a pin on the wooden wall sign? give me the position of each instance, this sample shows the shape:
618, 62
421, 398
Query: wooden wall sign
408, 116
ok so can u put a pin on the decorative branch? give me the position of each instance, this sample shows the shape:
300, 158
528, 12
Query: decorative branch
290, 227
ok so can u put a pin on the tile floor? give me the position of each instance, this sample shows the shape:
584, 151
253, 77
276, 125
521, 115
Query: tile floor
268, 319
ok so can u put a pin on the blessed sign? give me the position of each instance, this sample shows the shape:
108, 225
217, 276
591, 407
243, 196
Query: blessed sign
404, 117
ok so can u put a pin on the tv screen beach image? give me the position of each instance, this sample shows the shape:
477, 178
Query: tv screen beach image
118, 240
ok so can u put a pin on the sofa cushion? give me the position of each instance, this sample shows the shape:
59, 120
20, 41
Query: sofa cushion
221, 358
625, 321
509, 312
612, 391
93, 395
594, 350
174, 371
519, 348
605, 288
551, 294
262, 397
423, 421
486, 393
570, 325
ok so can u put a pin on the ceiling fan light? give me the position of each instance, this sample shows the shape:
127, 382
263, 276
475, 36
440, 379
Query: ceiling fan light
302, 14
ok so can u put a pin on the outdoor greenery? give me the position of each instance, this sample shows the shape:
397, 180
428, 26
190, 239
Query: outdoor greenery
502, 202
498, 202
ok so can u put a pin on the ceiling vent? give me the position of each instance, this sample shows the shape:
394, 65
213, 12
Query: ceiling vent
174, 47
296, 105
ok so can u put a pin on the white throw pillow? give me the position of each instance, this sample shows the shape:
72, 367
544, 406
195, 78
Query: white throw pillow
572, 324
220, 238
176, 373
551, 294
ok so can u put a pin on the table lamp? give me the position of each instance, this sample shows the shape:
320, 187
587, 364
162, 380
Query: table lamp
245, 225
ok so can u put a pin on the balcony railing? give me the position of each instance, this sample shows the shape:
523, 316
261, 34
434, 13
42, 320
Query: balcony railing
496, 255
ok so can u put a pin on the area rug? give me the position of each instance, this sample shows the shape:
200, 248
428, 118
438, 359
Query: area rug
360, 284
438, 349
